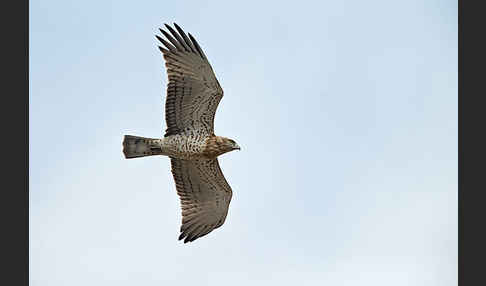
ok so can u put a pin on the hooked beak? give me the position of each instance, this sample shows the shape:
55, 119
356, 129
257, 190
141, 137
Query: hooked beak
237, 147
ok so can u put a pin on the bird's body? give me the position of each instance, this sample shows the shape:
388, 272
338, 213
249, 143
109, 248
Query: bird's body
193, 94
180, 146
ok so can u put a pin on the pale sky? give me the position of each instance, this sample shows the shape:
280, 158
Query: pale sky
346, 112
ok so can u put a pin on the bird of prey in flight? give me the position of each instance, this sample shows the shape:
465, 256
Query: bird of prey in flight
193, 94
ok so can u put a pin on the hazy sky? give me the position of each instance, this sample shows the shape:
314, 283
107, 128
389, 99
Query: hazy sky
346, 112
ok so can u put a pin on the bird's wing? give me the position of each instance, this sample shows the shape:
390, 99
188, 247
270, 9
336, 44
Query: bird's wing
193, 92
205, 196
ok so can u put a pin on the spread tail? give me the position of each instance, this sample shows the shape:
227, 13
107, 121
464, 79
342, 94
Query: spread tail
135, 146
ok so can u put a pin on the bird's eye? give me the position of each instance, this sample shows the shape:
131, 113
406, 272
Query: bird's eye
232, 141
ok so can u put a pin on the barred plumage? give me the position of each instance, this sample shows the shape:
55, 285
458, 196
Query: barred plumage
193, 95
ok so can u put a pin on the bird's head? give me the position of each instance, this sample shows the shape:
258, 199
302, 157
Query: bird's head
230, 144
217, 145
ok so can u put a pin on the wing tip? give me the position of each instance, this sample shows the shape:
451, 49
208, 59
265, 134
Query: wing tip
189, 44
188, 237
185, 237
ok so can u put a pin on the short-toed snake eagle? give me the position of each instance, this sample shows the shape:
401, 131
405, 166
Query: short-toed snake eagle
193, 94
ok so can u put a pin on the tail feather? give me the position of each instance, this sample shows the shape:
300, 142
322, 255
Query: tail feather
135, 146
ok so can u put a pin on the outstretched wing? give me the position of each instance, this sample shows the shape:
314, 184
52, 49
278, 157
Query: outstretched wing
205, 196
193, 92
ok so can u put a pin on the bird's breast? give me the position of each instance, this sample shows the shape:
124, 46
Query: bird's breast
186, 147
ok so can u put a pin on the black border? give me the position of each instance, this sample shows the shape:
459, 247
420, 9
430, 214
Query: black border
471, 145
14, 211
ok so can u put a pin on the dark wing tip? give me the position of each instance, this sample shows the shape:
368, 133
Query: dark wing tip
177, 26
186, 42
191, 238
161, 30
196, 45
164, 51
188, 237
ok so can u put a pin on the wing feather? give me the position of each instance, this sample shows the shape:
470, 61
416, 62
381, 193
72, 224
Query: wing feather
186, 40
205, 196
173, 41
193, 92
179, 39
197, 46
167, 44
